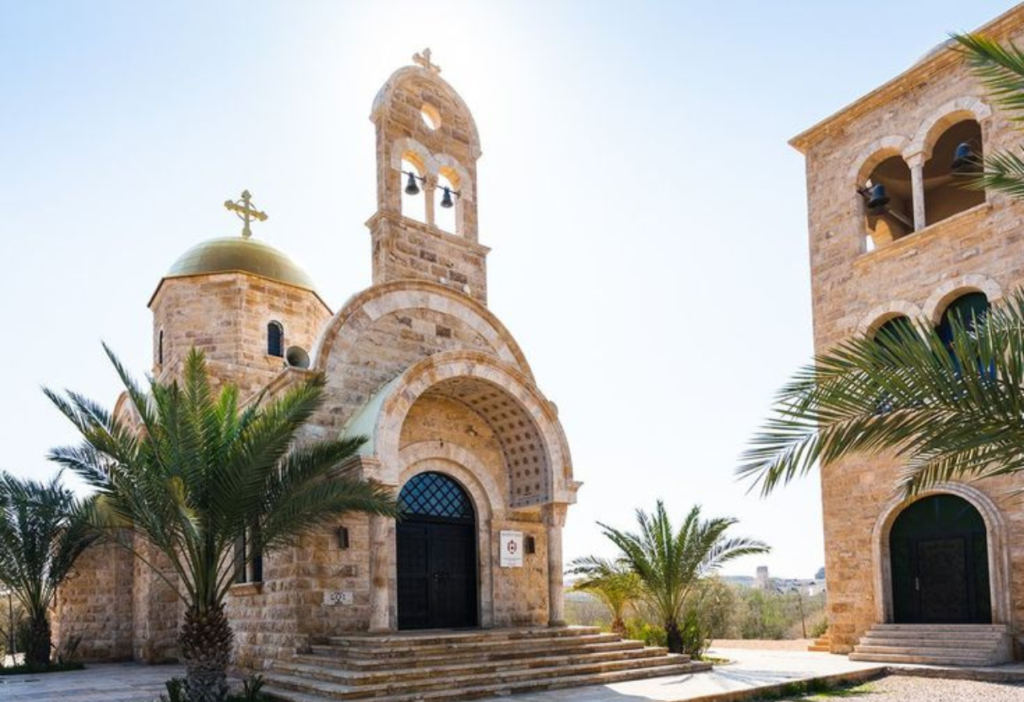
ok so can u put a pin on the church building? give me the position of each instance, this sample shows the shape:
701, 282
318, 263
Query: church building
419, 365
455, 425
893, 236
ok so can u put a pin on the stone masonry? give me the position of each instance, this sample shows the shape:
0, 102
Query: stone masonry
416, 363
855, 290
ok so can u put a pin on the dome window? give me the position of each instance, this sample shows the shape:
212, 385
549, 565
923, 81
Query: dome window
275, 340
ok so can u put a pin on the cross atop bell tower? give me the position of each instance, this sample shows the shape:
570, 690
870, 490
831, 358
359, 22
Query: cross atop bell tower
425, 227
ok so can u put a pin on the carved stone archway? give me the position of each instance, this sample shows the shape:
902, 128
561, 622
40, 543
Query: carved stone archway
998, 551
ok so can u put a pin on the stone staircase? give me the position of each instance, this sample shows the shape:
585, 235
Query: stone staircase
936, 644
466, 665
822, 644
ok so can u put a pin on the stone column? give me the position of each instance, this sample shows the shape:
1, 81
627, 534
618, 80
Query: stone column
916, 163
554, 520
429, 188
380, 591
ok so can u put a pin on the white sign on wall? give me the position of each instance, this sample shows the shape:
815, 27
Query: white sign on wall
511, 549
335, 598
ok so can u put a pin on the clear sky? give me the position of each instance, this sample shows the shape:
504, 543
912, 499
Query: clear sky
646, 215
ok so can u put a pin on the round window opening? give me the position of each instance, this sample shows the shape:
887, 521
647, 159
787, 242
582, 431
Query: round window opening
431, 116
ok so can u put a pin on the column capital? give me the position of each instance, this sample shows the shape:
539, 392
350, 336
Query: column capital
916, 159
554, 514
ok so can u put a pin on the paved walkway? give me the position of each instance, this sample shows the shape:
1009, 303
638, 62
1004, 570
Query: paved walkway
113, 682
749, 669
130, 682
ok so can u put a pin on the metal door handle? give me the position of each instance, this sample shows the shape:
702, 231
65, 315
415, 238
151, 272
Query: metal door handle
917, 584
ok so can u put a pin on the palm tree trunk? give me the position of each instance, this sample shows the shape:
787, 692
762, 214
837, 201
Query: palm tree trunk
618, 625
37, 651
205, 642
675, 637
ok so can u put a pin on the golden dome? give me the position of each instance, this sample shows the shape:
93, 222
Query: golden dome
240, 255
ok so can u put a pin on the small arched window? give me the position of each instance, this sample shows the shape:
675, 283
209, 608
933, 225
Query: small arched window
275, 340
160, 348
893, 330
890, 332
968, 309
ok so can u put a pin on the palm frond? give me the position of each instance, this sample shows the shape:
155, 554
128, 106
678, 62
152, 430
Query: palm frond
947, 410
1000, 67
200, 473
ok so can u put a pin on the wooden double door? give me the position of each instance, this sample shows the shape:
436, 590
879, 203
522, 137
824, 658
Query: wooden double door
436, 555
939, 556
437, 575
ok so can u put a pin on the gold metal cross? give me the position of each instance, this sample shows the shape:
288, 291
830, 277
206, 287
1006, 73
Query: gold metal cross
246, 212
423, 59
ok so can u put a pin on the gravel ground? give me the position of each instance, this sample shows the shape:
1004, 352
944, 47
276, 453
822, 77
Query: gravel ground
897, 688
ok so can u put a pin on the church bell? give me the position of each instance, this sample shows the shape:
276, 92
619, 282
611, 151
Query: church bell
412, 187
877, 199
963, 158
446, 199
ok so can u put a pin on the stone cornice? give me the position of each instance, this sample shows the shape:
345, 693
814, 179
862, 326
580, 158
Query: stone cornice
399, 221
160, 285
919, 73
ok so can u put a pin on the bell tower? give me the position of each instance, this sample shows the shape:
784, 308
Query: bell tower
425, 227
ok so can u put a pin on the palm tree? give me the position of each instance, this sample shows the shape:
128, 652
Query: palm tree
43, 530
948, 409
1001, 71
671, 563
612, 582
201, 473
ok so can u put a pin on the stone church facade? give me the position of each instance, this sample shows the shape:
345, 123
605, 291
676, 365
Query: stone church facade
418, 364
922, 247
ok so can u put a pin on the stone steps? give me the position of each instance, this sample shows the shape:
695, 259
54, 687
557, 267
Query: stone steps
822, 644
466, 665
447, 651
427, 661
935, 644
337, 669
467, 636
288, 691
309, 677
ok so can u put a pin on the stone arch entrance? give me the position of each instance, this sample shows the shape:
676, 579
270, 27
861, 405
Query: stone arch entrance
996, 553
938, 548
437, 556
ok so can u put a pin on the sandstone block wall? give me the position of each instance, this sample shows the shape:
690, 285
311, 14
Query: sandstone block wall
853, 290
95, 605
225, 315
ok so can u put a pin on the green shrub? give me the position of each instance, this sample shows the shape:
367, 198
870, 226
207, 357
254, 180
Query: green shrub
251, 690
175, 691
650, 634
695, 641
819, 628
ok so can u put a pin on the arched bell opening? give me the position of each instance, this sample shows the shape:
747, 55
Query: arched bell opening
447, 204
888, 202
413, 184
956, 156
938, 548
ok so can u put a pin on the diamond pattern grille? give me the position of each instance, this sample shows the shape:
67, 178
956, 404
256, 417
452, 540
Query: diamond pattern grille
435, 495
